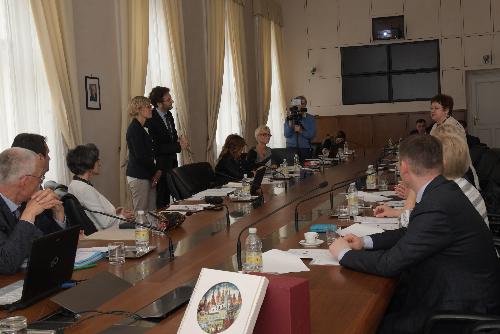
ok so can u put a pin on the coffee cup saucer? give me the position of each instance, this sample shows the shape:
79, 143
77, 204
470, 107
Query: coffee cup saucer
314, 244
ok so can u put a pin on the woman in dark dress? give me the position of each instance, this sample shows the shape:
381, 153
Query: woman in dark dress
142, 173
231, 166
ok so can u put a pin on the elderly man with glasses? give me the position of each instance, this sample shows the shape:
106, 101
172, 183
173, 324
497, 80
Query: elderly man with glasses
23, 205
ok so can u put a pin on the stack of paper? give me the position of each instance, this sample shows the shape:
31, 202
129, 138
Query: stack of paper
372, 197
361, 230
320, 257
212, 192
86, 256
395, 204
383, 223
281, 262
189, 207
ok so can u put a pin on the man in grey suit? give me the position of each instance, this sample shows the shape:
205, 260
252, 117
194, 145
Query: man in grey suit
21, 173
445, 257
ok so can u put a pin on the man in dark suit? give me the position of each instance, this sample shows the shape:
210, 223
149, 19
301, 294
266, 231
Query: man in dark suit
21, 172
471, 140
445, 257
420, 127
38, 144
166, 142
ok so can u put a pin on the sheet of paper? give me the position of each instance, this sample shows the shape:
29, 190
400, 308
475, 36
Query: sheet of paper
395, 204
281, 262
112, 234
386, 193
188, 207
319, 257
234, 185
372, 197
375, 220
212, 192
361, 230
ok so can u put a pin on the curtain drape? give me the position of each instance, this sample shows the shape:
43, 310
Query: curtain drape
54, 24
235, 21
215, 68
133, 36
279, 52
263, 60
175, 28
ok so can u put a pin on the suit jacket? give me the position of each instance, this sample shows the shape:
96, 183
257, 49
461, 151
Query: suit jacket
165, 141
141, 162
16, 238
446, 259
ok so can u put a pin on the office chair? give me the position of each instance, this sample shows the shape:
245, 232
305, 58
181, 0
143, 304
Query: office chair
192, 178
459, 323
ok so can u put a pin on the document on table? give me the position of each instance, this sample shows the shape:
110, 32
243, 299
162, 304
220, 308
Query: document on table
383, 223
234, 185
320, 257
361, 230
188, 207
372, 197
212, 192
395, 204
387, 193
281, 262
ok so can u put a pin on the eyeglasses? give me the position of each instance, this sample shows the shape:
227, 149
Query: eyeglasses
266, 134
40, 178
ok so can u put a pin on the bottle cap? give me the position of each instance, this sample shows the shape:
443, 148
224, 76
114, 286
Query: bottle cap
252, 230
140, 212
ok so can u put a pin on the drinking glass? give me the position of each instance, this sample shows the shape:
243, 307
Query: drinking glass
116, 252
343, 212
14, 325
331, 234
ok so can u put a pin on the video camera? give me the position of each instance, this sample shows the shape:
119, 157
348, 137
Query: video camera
295, 112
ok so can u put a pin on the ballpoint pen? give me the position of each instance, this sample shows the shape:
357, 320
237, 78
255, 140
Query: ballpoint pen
87, 266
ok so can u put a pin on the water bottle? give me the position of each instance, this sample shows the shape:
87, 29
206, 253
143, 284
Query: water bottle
284, 168
253, 251
141, 233
371, 178
296, 164
245, 189
346, 148
352, 199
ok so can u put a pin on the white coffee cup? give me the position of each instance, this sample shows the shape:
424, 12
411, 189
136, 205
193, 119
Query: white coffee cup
311, 237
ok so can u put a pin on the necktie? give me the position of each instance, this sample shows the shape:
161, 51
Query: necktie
16, 213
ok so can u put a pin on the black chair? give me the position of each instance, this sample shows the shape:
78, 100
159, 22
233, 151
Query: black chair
75, 214
188, 180
459, 323
476, 153
486, 165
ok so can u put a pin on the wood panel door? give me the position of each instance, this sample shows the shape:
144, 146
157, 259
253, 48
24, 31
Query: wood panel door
358, 129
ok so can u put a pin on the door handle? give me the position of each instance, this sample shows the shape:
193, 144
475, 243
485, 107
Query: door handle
476, 119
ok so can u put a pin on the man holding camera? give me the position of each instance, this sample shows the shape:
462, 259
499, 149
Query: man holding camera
300, 128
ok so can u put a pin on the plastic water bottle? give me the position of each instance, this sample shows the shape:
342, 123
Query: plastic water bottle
284, 168
141, 233
245, 189
371, 178
253, 251
296, 164
352, 199
346, 148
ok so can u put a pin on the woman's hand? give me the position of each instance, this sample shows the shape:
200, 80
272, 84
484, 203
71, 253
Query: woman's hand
127, 214
156, 178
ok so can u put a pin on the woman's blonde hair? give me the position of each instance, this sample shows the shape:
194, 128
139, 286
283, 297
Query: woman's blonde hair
456, 158
261, 128
136, 104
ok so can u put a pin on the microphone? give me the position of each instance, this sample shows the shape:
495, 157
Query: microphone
238, 244
54, 185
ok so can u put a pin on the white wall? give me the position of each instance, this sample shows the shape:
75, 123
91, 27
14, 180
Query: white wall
316, 29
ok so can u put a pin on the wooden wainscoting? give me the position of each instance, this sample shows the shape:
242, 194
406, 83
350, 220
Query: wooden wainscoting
373, 130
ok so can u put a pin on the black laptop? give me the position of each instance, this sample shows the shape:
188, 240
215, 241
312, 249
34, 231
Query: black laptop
50, 264
257, 180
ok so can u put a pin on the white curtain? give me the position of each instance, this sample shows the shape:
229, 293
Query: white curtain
277, 111
26, 104
228, 121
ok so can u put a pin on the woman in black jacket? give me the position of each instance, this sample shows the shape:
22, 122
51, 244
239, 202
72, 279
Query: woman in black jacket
231, 166
142, 173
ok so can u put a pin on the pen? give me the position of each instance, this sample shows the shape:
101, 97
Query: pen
87, 266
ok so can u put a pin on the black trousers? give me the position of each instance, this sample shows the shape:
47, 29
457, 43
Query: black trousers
162, 192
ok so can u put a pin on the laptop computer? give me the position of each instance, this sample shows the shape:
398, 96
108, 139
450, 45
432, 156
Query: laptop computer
50, 264
257, 180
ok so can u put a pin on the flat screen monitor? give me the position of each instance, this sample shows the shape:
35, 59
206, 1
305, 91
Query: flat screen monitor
365, 89
415, 86
414, 56
364, 59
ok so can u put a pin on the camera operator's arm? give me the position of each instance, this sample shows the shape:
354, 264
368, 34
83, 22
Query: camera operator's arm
289, 130
309, 127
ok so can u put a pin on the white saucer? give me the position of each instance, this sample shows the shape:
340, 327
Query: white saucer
315, 244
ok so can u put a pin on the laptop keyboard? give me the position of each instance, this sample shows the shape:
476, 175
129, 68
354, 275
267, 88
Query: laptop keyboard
11, 293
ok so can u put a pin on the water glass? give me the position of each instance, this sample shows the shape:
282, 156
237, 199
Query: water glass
331, 234
343, 212
14, 325
382, 185
116, 252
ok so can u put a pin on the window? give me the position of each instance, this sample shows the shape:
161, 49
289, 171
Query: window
275, 119
228, 120
390, 72
25, 99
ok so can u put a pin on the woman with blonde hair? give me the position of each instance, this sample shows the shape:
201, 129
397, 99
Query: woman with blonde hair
456, 161
142, 173
260, 154
230, 165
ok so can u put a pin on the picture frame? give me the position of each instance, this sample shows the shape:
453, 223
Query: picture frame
92, 93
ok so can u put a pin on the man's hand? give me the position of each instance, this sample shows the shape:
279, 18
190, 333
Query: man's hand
40, 201
183, 142
401, 190
298, 128
156, 177
127, 214
386, 211
337, 246
354, 241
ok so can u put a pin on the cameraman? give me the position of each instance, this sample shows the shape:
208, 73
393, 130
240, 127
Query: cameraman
300, 128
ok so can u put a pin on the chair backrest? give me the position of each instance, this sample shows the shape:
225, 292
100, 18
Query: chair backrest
172, 186
486, 165
192, 178
75, 214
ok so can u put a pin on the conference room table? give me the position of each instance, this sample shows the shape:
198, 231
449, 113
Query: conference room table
341, 300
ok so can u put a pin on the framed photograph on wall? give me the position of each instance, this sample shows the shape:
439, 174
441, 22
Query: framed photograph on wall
92, 93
